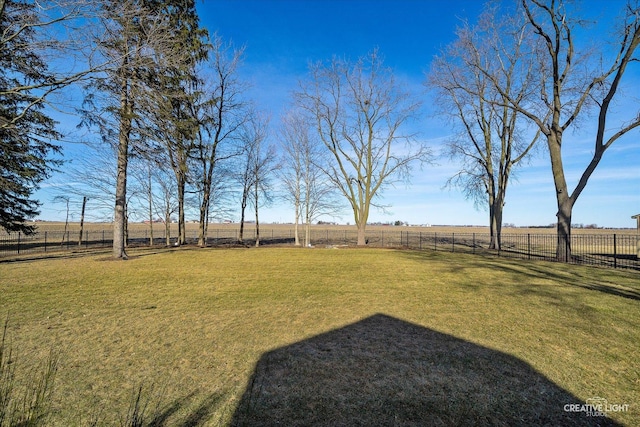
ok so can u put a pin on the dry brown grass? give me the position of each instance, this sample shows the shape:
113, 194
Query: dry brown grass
340, 337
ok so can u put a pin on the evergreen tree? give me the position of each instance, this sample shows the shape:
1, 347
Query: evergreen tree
175, 94
26, 132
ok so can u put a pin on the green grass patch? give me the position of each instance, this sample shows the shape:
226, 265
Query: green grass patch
325, 337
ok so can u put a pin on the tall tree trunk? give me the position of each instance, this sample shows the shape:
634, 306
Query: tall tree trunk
257, 221
563, 250
307, 226
307, 206
182, 232
496, 209
167, 223
120, 217
362, 216
497, 227
151, 229
564, 201
493, 240
362, 238
84, 204
243, 207
126, 226
66, 224
206, 225
204, 209
150, 194
207, 180
295, 225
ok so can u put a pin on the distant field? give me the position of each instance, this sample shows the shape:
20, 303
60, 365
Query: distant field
296, 337
193, 227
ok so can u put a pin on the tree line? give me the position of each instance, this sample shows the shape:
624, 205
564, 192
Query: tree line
176, 128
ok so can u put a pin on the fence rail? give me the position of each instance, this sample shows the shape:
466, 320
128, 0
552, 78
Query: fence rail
608, 250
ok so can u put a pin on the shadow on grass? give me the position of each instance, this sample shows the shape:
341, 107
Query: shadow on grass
592, 278
46, 256
565, 277
384, 371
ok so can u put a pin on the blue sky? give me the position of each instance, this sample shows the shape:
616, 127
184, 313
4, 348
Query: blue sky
282, 36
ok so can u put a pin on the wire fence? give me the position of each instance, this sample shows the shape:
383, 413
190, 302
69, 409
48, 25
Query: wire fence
607, 250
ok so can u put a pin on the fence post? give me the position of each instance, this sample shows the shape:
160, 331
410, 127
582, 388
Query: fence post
453, 242
103, 242
615, 251
435, 241
67, 240
420, 240
18, 243
474, 243
529, 246
382, 237
45, 241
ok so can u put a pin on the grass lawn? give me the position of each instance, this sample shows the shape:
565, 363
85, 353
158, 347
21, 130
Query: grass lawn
326, 337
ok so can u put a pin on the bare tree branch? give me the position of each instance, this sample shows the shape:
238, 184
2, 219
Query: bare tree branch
359, 109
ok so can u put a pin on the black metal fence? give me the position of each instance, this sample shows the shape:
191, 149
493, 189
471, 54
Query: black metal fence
607, 250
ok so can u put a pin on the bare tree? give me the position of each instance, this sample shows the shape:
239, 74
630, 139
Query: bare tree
244, 177
491, 139
301, 172
293, 134
263, 167
358, 110
178, 141
90, 174
257, 163
220, 114
571, 82
222, 190
164, 193
66, 200
142, 173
